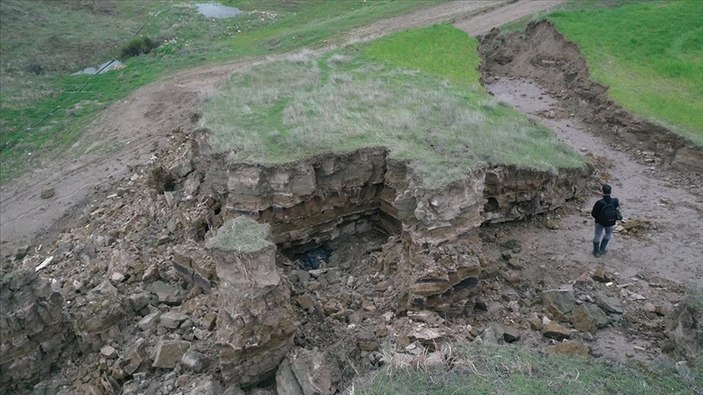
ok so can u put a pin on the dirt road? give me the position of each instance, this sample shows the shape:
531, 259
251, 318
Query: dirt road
669, 218
127, 132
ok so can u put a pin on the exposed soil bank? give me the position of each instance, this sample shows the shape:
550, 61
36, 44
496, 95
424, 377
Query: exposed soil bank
315, 200
543, 55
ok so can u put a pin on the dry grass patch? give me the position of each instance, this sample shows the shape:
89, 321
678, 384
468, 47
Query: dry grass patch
304, 106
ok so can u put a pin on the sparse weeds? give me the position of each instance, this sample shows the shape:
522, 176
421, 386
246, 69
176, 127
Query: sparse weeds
288, 111
507, 369
241, 234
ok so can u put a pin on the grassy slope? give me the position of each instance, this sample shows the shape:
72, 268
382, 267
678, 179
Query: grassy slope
486, 369
650, 54
69, 35
415, 92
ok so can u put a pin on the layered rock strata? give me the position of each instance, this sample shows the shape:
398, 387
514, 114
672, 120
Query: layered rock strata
255, 324
318, 199
33, 330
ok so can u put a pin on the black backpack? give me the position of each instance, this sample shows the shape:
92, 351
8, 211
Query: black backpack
609, 214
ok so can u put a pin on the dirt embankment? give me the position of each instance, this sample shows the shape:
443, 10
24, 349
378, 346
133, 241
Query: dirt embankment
543, 55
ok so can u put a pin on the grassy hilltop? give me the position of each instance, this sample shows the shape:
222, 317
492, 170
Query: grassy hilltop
415, 92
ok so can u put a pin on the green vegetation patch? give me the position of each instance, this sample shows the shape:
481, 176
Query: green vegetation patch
440, 50
650, 54
44, 110
241, 234
492, 369
303, 106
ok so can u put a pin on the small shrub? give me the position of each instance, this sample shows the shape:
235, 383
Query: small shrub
34, 68
138, 46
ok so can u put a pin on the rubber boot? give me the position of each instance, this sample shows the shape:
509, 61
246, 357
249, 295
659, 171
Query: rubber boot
596, 248
604, 246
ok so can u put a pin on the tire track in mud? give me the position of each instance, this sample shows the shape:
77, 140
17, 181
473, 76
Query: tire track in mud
132, 128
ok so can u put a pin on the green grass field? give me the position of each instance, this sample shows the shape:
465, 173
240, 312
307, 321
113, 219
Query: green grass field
67, 36
415, 92
493, 369
650, 54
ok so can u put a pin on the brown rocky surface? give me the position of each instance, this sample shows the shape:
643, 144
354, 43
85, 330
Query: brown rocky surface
146, 305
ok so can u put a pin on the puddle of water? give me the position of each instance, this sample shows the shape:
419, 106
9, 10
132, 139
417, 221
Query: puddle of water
103, 68
214, 10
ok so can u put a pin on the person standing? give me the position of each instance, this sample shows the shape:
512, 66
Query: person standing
606, 214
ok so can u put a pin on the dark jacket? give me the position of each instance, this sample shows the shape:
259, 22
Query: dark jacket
595, 213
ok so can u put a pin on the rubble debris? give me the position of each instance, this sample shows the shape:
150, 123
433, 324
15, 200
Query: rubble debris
46, 193
555, 331
168, 353
34, 330
609, 304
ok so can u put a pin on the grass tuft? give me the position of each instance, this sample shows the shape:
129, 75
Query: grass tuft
241, 234
507, 369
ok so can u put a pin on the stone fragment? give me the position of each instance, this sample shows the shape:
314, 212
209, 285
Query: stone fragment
510, 334
168, 353
665, 309
149, 321
535, 323
569, 348
138, 301
136, 357
559, 302
588, 318
166, 293
117, 277
650, 307
108, 351
47, 193
286, 383
555, 331
209, 387
426, 316
209, 320
434, 360
311, 371
331, 307
305, 301
195, 361
172, 319
609, 304
601, 275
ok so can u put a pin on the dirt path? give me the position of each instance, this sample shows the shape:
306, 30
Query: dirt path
670, 244
127, 133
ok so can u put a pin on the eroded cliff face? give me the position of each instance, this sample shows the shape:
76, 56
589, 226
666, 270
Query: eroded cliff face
244, 309
318, 199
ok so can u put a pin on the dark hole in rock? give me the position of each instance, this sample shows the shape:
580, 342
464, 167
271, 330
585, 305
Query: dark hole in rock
201, 229
163, 180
